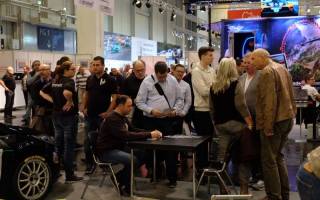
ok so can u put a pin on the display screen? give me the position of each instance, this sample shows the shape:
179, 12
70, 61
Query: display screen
298, 38
171, 52
50, 39
117, 46
278, 5
280, 58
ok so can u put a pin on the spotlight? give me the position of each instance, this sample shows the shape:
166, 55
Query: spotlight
161, 9
139, 4
148, 4
134, 2
203, 8
173, 15
203, 28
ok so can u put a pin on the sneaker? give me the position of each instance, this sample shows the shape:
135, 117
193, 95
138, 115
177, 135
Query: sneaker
172, 184
73, 179
90, 169
259, 185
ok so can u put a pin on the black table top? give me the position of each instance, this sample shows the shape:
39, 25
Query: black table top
172, 144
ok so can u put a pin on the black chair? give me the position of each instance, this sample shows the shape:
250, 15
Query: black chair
310, 115
106, 167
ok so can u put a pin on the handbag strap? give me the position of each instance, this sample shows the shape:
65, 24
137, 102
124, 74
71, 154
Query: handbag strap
160, 90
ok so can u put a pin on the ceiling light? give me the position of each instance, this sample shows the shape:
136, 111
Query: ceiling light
161, 9
134, 2
203, 8
148, 4
173, 15
139, 4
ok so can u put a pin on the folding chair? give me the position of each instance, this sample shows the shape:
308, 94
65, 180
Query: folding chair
92, 137
219, 170
231, 197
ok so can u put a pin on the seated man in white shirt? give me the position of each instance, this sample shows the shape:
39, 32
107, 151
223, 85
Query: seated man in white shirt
311, 90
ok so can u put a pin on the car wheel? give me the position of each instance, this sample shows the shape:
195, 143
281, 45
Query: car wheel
32, 178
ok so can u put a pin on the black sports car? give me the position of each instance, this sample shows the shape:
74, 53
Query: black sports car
27, 169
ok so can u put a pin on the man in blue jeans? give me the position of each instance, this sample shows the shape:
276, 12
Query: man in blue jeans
115, 131
308, 177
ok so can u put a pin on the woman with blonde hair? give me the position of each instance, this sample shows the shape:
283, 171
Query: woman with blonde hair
230, 112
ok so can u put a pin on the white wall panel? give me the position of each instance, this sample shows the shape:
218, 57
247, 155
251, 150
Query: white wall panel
122, 17
157, 25
141, 26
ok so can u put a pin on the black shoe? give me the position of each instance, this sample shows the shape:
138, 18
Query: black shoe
90, 169
172, 184
125, 191
73, 179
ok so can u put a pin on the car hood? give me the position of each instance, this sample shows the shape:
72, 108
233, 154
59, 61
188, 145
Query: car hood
12, 136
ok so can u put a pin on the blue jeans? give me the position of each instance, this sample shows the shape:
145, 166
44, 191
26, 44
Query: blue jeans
121, 157
91, 124
64, 129
308, 185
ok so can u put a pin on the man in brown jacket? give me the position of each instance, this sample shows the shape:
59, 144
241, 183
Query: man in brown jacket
275, 112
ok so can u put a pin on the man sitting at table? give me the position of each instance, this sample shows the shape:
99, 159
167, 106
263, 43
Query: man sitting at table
115, 130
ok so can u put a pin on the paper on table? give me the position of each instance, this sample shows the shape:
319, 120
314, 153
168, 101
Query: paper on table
182, 136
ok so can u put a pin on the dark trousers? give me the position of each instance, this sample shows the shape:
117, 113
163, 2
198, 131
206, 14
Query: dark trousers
25, 96
204, 126
273, 164
137, 118
123, 157
64, 127
91, 124
9, 103
165, 125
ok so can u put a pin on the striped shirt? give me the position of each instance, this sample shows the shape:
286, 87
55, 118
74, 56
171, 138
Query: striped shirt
81, 80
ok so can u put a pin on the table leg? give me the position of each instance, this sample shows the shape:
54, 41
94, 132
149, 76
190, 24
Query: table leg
300, 113
194, 175
131, 181
154, 166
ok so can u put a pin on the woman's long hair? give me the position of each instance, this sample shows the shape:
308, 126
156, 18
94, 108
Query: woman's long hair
227, 73
59, 71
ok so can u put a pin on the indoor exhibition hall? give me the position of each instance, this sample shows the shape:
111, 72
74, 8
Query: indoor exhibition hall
159, 99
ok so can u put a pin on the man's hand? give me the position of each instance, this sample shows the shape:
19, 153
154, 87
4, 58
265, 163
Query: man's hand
83, 110
156, 134
268, 133
172, 113
104, 115
156, 113
68, 106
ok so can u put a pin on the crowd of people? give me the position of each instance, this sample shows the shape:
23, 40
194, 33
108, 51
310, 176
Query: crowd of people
254, 111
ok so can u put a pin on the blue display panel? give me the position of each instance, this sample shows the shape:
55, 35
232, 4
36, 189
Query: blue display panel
277, 5
117, 46
50, 39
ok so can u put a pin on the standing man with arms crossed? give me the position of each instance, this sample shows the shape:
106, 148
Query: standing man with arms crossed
275, 110
131, 87
97, 103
